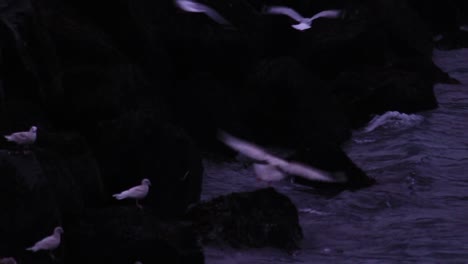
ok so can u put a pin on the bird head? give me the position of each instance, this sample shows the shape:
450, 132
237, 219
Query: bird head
58, 230
33, 129
146, 182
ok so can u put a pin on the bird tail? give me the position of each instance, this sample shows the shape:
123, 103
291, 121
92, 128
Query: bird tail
33, 249
9, 138
118, 196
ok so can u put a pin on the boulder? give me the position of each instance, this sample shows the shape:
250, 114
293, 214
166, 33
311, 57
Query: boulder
127, 234
262, 218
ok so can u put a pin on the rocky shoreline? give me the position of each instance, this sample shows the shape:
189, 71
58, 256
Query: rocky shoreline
127, 90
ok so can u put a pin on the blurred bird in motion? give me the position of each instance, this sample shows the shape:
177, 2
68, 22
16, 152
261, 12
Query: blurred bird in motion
190, 6
270, 168
304, 23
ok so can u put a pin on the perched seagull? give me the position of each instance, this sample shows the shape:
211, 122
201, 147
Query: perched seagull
304, 23
7, 261
195, 7
24, 138
48, 243
270, 168
138, 192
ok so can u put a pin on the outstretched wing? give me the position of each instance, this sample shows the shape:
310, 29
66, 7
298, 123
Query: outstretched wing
249, 149
334, 13
281, 10
311, 173
190, 6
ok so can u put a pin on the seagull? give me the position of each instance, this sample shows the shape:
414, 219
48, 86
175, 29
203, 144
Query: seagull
7, 261
304, 23
24, 138
271, 168
48, 243
195, 7
268, 172
138, 192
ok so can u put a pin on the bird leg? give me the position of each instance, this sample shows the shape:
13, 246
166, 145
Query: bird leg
138, 205
26, 150
52, 256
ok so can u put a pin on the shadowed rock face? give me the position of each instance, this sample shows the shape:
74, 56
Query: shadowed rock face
249, 219
29, 208
126, 234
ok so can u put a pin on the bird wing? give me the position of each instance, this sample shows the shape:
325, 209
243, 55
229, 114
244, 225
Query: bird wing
327, 13
249, 149
21, 137
281, 10
310, 173
47, 243
139, 191
190, 6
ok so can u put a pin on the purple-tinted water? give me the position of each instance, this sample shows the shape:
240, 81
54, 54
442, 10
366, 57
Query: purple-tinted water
418, 211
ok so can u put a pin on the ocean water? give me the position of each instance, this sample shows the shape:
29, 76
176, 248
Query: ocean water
416, 213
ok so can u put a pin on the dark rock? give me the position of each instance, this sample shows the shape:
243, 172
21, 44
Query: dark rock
453, 40
70, 165
260, 218
29, 205
440, 16
405, 85
127, 234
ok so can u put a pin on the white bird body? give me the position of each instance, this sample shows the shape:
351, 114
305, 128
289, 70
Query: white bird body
272, 168
304, 23
194, 7
7, 261
138, 192
268, 172
24, 137
48, 243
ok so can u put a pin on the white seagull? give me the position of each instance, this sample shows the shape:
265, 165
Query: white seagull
138, 192
304, 23
48, 243
23, 138
271, 168
195, 7
7, 261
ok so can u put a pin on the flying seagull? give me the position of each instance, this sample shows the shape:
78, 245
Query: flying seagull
48, 243
23, 138
271, 168
195, 7
304, 23
138, 192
